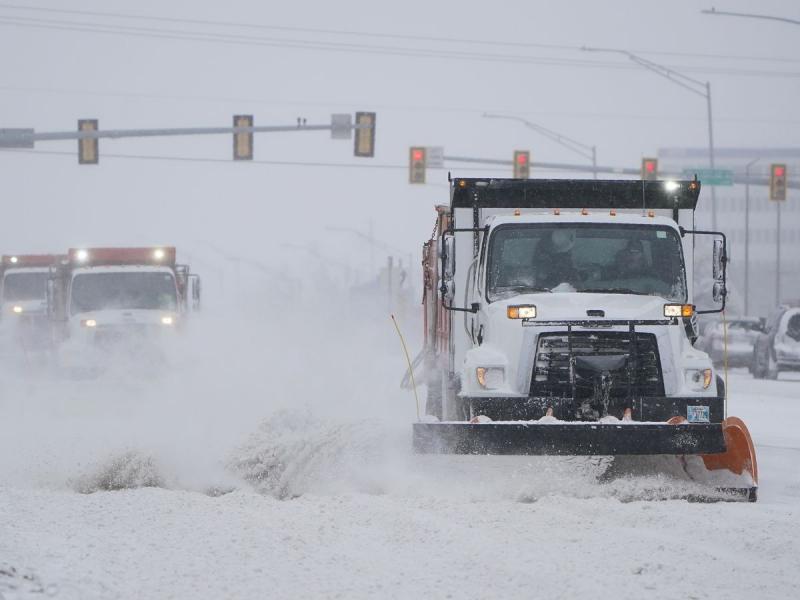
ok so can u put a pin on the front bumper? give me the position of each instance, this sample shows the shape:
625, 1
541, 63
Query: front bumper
653, 408
577, 438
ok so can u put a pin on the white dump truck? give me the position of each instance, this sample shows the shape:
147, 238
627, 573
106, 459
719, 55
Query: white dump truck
559, 319
107, 300
23, 302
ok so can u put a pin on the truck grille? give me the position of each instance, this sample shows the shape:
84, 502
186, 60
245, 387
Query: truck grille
552, 373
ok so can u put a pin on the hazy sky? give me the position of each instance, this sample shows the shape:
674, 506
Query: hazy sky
58, 68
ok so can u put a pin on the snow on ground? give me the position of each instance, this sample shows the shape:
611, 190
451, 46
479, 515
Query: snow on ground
272, 482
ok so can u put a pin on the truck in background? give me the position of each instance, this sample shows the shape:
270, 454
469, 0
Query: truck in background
23, 302
106, 302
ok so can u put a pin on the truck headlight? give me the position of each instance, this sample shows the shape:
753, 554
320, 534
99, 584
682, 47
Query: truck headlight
678, 310
89, 323
167, 320
698, 379
490, 377
522, 311
17, 309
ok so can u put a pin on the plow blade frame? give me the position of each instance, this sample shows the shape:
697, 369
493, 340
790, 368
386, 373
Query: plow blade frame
584, 439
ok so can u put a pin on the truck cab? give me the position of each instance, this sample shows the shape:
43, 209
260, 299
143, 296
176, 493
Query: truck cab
571, 298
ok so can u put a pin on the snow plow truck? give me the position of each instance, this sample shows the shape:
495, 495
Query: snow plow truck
23, 318
560, 320
103, 300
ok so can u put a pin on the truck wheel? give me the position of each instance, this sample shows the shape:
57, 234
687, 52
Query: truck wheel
433, 402
720, 387
772, 367
758, 366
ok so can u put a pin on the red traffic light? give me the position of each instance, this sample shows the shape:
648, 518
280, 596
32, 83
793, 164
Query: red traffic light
417, 154
649, 166
522, 158
777, 181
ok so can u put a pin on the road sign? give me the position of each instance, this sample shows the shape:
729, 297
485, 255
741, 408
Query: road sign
16, 138
342, 126
710, 176
434, 157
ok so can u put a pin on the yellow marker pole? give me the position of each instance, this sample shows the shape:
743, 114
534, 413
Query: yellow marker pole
408, 360
725, 357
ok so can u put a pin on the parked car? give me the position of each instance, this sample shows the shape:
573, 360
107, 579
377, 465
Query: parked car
742, 335
778, 347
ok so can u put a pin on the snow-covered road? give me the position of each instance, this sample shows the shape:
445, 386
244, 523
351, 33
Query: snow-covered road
363, 518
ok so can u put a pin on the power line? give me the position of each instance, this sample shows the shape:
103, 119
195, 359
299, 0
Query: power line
391, 107
366, 49
367, 34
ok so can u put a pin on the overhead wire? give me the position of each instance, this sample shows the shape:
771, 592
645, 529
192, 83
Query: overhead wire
392, 107
367, 34
368, 49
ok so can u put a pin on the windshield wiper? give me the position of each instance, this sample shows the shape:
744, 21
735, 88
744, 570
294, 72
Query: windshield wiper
521, 288
615, 291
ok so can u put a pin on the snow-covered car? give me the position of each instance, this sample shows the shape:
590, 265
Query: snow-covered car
742, 335
778, 347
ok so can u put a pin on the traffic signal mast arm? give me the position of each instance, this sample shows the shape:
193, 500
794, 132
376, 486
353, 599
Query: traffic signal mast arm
164, 132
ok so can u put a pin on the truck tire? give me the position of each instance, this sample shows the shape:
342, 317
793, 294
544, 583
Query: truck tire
772, 366
433, 401
758, 369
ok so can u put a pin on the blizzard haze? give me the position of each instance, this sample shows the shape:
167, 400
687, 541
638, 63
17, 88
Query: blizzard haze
267, 451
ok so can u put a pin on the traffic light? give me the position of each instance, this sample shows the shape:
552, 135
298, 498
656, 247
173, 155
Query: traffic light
777, 182
522, 164
416, 165
88, 148
650, 169
365, 137
243, 141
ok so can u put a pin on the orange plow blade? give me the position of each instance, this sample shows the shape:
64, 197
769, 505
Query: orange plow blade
739, 457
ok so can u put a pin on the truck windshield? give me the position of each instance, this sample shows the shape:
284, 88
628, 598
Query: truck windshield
102, 291
586, 257
24, 286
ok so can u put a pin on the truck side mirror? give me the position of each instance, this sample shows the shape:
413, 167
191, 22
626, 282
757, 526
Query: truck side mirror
719, 291
51, 296
718, 262
194, 292
449, 250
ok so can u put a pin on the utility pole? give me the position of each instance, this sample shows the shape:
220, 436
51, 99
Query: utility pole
747, 235
778, 253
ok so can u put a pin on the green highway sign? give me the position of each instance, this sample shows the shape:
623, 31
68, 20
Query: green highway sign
710, 176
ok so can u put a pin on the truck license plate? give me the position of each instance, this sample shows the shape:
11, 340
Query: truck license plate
697, 414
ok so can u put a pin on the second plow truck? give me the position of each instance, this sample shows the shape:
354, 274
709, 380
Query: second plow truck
559, 320
23, 319
107, 302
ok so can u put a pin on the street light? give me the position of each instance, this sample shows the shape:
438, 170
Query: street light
584, 150
714, 11
693, 85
